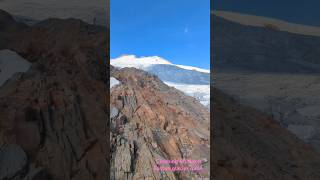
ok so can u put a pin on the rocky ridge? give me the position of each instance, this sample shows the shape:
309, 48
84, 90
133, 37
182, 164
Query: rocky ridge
151, 121
53, 117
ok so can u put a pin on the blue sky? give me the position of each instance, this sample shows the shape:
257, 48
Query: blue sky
177, 30
297, 11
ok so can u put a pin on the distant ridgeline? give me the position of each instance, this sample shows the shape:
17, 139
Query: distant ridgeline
265, 47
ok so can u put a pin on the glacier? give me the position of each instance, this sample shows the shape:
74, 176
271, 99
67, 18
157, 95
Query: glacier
192, 81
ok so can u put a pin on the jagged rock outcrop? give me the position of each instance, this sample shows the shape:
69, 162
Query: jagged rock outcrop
151, 121
56, 112
247, 144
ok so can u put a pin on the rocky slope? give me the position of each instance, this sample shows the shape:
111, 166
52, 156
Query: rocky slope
248, 145
53, 116
151, 121
273, 70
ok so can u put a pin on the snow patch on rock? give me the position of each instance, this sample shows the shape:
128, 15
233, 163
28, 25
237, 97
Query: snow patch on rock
304, 132
11, 63
113, 82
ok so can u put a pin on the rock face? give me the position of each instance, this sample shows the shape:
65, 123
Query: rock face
56, 112
150, 122
247, 144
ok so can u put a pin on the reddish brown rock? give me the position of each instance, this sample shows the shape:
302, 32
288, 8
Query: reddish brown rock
157, 123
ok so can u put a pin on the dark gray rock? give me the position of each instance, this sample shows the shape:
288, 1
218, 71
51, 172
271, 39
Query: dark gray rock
13, 160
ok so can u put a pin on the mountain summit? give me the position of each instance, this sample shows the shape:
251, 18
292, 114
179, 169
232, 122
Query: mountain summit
145, 62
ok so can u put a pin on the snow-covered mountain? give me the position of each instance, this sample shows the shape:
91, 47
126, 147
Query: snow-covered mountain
266, 22
145, 62
192, 81
164, 69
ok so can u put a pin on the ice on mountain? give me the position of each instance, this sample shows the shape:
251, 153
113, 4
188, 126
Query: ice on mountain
11, 63
113, 82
